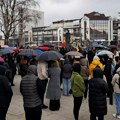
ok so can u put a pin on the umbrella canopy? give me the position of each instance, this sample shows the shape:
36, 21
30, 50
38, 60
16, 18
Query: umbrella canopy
27, 52
74, 53
13, 48
1, 59
49, 55
113, 46
4, 46
44, 48
104, 52
38, 51
6, 51
63, 44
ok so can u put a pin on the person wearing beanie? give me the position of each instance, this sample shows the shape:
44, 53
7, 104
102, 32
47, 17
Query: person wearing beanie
78, 89
95, 63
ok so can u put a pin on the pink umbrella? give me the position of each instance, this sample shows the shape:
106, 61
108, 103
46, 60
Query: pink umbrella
1, 59
4, 46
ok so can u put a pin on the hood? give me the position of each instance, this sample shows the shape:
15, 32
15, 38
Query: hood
32, 69
95, 62
74, 74
83, 62
66, 61
97, 73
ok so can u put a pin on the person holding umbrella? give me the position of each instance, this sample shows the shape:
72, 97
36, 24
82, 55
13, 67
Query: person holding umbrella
53, 90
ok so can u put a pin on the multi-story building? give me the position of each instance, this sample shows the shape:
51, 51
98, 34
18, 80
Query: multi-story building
55, 33
91, 27
96, 27
116, 31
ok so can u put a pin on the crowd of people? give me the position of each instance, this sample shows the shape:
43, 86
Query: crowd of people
90, 77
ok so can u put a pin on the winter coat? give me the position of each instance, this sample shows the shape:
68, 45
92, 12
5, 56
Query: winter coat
77, 85
29, 88
84, 69
66, 70
5, 89
93, 65
115, 81
53, 90
97, 93
108, 74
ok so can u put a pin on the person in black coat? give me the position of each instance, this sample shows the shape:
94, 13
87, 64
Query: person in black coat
97, 95
5, 93
108, 72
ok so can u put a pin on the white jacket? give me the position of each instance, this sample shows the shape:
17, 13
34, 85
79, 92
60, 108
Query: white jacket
42, 70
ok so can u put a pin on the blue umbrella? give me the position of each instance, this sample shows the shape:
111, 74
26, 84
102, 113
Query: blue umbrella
38, 51
6, 51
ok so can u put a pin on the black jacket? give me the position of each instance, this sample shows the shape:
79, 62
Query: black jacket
97, 94
5, 92
67, 70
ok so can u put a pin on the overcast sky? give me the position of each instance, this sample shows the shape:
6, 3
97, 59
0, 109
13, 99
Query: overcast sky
74, 9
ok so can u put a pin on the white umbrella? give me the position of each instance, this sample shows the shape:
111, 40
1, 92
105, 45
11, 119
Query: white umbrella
74, 53
105, 52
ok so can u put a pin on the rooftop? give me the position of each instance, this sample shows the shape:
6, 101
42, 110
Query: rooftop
96, 16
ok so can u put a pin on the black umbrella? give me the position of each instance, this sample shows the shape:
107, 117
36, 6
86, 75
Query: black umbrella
49, 55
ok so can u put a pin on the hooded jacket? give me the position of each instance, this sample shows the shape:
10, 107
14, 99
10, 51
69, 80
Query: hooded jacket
84, 69
93, 65
77, 85
97, 93
29, 89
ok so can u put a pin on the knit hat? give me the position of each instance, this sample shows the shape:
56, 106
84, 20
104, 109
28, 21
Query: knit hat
96, 58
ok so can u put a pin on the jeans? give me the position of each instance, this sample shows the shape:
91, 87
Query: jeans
117, 102
66, 86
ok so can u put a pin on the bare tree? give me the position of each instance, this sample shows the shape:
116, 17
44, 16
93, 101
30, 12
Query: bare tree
14, 13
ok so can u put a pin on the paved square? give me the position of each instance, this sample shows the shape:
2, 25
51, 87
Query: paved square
16, 111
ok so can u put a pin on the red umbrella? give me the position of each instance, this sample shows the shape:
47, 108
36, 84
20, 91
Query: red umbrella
16, 49
63, 44
44, 48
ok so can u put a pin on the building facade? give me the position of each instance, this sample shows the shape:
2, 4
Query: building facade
96, 27
56, 32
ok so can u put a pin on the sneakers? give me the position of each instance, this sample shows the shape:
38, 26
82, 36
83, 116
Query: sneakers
116, 116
